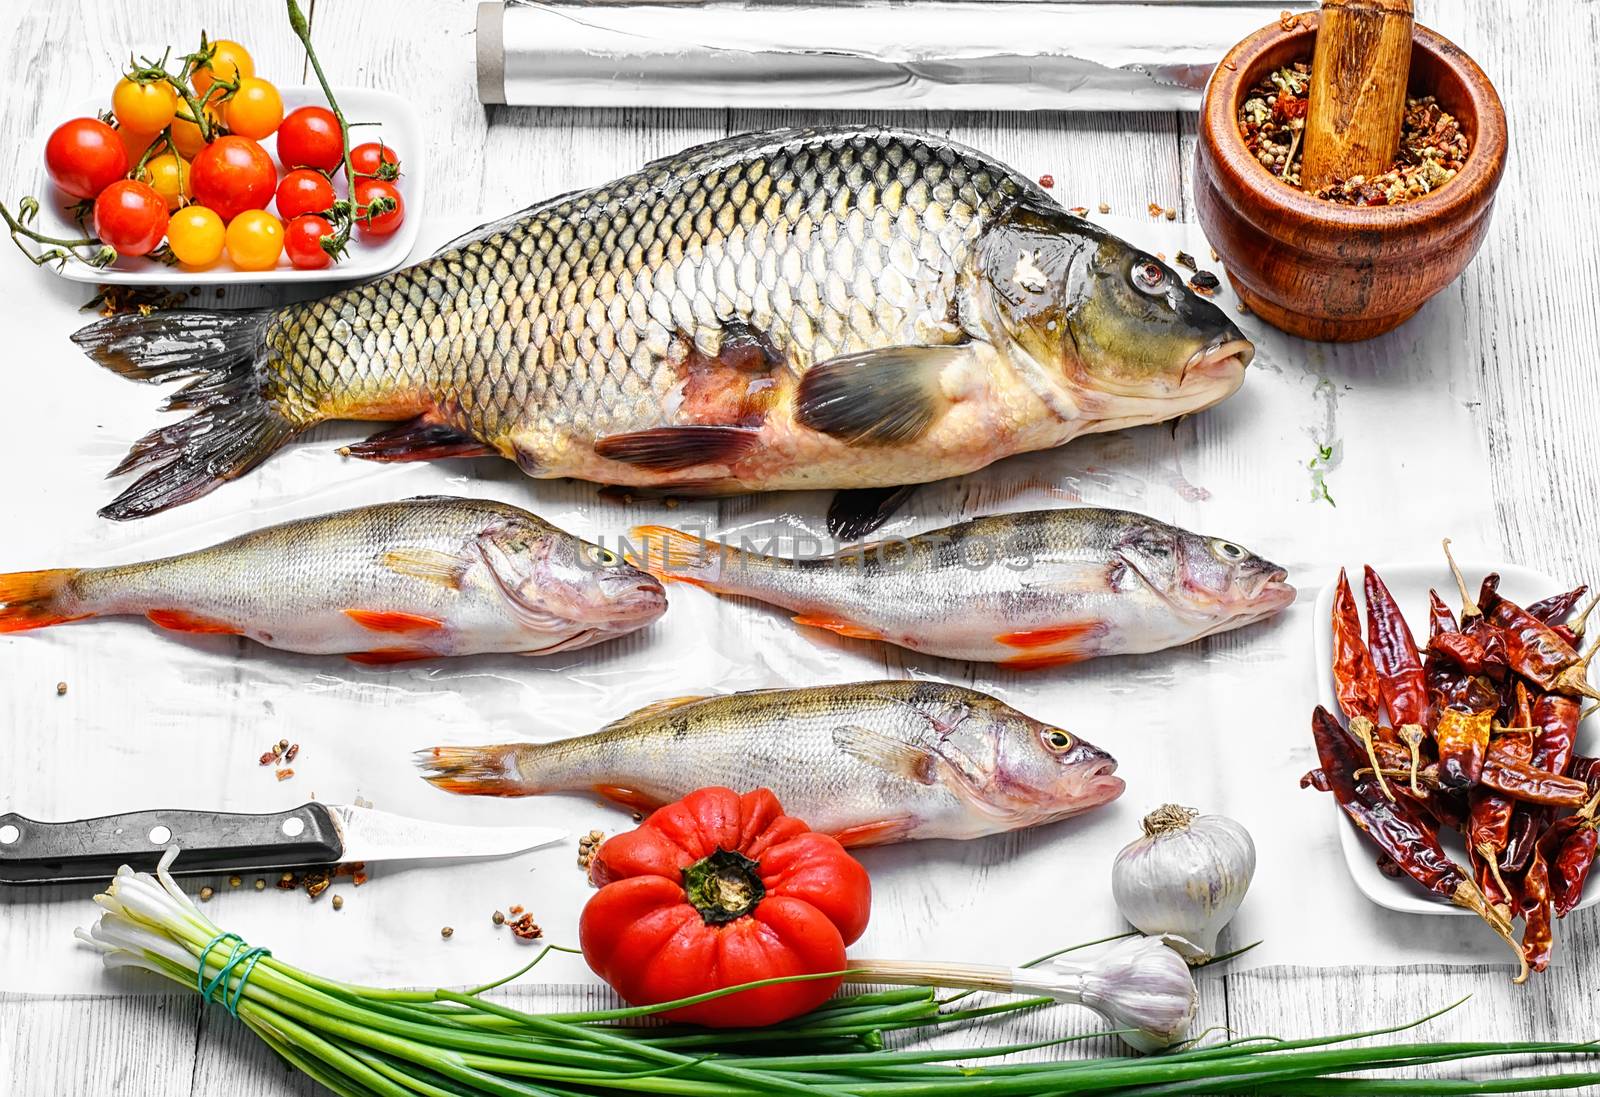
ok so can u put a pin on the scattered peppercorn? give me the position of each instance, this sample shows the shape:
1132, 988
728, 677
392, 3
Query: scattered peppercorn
447, 933
1170, 214
1105, 207
234, 881
61, 689
338, 902
499, 918
205, 894
261, 885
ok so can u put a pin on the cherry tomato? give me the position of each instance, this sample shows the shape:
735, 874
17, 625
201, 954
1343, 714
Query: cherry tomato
303, 242
231, 175
255, 240
255, 109
130, 216
304, 191
144, 108
186, 135
169, 175
228, 60
195, 236
134, 144
384, 223
310, 138
369, 158
84, 156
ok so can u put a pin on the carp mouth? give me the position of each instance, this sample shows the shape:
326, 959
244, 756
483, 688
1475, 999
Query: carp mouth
1218, 358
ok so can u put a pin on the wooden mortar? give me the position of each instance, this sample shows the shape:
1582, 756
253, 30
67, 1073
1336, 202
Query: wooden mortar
1331, 272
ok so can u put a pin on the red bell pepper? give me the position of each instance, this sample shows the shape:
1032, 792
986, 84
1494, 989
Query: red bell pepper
717, 890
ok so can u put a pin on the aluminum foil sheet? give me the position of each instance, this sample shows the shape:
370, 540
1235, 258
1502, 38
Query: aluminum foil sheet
861, 54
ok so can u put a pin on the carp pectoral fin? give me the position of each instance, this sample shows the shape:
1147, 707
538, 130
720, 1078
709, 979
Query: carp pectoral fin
857, 512
390, 621
877, 397
668, 449
430, 565
891, 755
177, 620
421, 439
843, 628
387, 656
876, 833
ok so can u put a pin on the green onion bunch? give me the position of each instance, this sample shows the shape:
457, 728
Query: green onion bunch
368, 1042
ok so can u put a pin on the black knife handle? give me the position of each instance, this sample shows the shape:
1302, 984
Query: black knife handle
211, 841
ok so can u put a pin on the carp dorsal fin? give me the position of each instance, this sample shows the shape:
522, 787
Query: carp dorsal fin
906, 760
877, 397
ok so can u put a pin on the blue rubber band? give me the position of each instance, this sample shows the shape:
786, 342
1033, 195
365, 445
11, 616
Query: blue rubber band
245, 959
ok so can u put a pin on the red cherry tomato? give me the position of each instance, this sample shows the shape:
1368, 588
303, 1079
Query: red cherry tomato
304, 191
84, 157
368, 159
130, 216
310, 138
384, 223
303, 241
231, 175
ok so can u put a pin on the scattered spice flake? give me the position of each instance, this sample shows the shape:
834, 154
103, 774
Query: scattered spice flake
289, 755
285, 774
1154, 209
526, 929
112, 300
1105, 207
206, 893
288, 882
316, 882
1079, 211
1170, 214
1288, 20
1047, 181
1215, 258
268, 758
1272, 122
1204, 283
516, 910
61, 689
358, 877
1184, 259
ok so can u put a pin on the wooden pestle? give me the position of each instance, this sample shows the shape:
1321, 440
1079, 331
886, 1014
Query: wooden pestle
1358, 90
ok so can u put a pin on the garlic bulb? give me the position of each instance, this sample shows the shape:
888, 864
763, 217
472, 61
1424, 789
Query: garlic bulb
1184, 879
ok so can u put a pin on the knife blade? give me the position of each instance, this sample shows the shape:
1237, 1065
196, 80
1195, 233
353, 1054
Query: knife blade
311, 835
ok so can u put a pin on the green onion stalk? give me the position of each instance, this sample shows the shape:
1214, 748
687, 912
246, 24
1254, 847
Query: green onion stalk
361, 1041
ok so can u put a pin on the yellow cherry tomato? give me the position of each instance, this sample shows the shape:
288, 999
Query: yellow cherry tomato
255, 109
255, 240
143, 108
186, 135
228, 60
195, 235
169, 175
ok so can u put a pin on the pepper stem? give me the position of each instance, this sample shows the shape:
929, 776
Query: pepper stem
1575, 679
1467, 895
1491, 857
1168, 818
1361, 728
723, 886
1412, 735
1469, 608
1582, 622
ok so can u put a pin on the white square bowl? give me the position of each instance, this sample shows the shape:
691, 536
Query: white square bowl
398, 126
1410, 583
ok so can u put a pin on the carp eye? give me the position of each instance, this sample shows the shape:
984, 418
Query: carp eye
1056, 740
604, 557
1148, 276
1229, 551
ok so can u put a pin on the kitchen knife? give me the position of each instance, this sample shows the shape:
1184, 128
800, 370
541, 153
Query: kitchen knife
311, 835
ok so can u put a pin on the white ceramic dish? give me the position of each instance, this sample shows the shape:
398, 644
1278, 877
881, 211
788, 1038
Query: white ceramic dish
1410, 583
397, 125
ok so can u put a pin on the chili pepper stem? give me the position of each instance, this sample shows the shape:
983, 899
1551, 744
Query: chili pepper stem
1575, 679
1582, 622
1413, 735
1361, 728
1467, 895
1469, 608
1491, 856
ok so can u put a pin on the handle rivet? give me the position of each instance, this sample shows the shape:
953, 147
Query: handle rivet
160, 834
9, 834
294, 827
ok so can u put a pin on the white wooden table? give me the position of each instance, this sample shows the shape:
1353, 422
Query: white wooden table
1533, 298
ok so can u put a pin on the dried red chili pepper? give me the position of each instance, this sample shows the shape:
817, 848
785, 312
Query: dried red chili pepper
1534, 651
1575, 848
1463, 651
1394, 656
1536, 909
1396, 828
1441, 618
1523, 782
1556, 718
1466, 715
1489, 818
1527, 823
1555, 609
1354, 678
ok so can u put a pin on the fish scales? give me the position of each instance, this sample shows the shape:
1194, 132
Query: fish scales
837, 307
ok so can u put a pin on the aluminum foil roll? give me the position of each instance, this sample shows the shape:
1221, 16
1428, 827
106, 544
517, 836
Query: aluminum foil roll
861, 54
